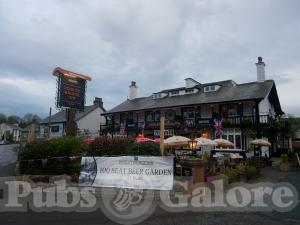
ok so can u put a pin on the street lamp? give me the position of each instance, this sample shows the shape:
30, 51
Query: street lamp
192, 144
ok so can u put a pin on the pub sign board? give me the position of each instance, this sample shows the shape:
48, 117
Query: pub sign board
71, 89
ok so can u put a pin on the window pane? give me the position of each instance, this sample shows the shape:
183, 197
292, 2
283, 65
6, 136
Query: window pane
238, 141
149, 116
231, 138
157, 115
189, 113
170, 115
55, 129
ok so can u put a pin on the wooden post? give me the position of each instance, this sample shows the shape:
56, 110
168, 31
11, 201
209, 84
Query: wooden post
257, 118
31, 134
162, 134
49, 123
70, 125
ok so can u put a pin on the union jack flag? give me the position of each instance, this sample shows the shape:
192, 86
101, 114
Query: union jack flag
122, 129
142, 125
218, 127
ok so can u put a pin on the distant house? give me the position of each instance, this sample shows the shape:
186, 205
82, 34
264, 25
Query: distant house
89, 121
27, 130
10, 132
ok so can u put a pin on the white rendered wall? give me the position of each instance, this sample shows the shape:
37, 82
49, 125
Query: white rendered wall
92, 121
265, 108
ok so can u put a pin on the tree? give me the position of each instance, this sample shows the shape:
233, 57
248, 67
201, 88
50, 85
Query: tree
3, 118
29, 117
294, 124
13, 119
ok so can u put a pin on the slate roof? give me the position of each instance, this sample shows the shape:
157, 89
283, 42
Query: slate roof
229, 91
13, 126
60, 117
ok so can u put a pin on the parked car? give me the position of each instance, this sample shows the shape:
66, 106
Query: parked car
4, 142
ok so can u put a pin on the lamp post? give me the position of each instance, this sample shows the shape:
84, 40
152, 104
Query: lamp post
192, 145
197, 165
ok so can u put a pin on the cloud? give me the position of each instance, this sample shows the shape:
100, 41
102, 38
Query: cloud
156, 43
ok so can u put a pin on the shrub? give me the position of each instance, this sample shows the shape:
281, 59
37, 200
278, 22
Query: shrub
109, 146
68, 146
40, 157
284, 158
251, 172
241, 168
35, 150
144, 148
291, 155
52, 167
122, 146
231, 174
206, 156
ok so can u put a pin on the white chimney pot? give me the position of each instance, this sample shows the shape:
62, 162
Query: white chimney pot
132, 90
260, 68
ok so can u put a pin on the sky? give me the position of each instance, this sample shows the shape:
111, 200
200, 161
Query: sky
155, 43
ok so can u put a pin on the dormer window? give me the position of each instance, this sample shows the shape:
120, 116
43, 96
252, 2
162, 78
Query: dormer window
173, 93
158, 95
189, 91
211, 88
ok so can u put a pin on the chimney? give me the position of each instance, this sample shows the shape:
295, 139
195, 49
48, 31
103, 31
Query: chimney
132, 90
98, 101
260, 67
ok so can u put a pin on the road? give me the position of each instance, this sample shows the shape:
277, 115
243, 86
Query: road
162, 217
8, 159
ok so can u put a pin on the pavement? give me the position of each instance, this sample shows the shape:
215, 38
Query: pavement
271, 174
8, 159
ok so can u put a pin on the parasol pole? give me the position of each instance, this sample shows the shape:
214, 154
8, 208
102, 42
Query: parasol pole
162, 134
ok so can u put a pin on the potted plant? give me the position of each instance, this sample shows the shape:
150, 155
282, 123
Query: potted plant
206, 156
284, 164
241, 172
251, 172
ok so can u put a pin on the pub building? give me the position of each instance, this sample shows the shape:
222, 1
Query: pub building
244, 111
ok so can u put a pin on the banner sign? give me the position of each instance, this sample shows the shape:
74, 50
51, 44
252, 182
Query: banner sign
71, 93
136, 172
168, 132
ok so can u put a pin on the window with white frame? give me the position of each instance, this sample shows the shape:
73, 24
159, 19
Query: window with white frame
233, 135
189, 91
157, 95
211, 88
174, 93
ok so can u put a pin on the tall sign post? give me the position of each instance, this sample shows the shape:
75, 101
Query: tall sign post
71, 88
31, 134
49, 122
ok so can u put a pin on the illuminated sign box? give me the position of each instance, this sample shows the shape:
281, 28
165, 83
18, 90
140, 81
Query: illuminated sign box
71, 89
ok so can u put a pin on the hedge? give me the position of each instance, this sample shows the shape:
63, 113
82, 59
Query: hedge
32, 157
107, 146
